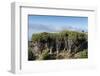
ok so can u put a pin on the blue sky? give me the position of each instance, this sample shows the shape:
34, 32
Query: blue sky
40, 23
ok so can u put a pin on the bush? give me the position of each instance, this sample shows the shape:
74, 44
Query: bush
71, 35
82, 54
31, 56
46, 56
40, 37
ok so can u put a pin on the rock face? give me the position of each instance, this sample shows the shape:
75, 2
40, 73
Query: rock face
56, 44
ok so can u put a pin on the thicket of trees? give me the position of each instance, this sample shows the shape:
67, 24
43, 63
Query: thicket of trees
58, 45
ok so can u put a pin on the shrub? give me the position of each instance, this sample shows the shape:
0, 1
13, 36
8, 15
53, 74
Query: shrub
82, 54
31, 56
46, 56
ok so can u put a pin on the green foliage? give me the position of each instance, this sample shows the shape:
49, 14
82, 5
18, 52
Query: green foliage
44, 55
82, 54
40, 37
70, 34
79, 42
31, 56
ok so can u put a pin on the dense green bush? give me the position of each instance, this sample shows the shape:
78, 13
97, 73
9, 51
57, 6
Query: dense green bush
59, 35
40, 36
82, 54
31, 56
46, 56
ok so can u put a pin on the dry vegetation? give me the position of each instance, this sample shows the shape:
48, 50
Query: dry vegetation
60, 45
